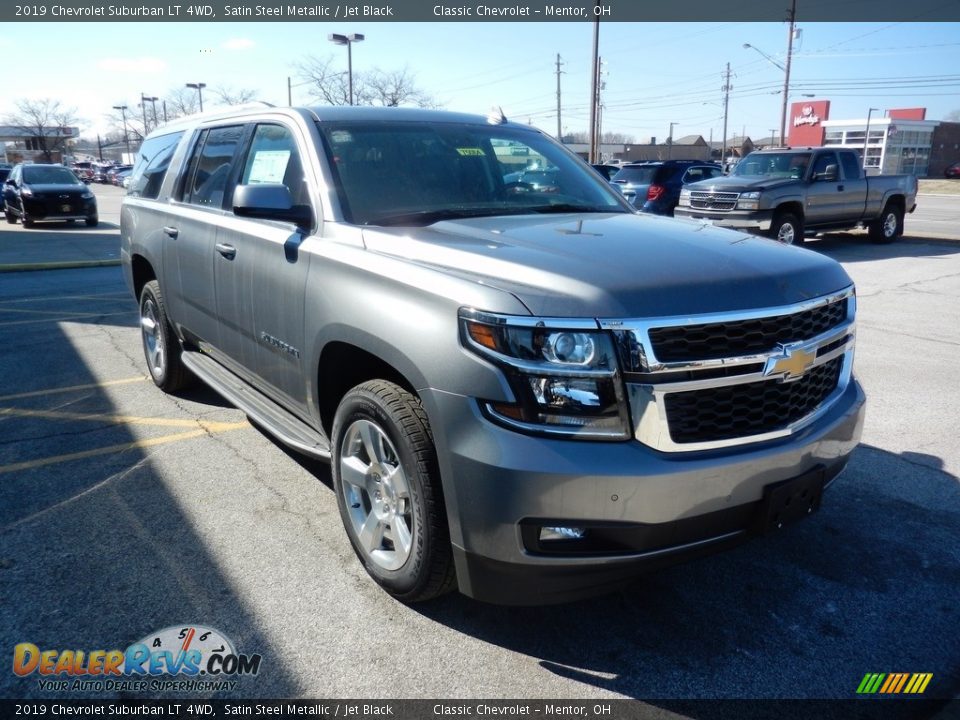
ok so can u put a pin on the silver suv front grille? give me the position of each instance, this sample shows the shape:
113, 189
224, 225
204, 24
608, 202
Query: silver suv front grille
718, 380
710, 200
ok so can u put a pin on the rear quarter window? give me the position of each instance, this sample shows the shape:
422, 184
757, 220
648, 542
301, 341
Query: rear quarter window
152, 164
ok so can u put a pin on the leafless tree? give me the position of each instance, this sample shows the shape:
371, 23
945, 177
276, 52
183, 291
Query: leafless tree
47, 122
952, 116
329, 84
229, 96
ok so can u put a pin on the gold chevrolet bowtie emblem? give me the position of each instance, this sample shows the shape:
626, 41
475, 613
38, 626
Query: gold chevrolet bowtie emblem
792, 364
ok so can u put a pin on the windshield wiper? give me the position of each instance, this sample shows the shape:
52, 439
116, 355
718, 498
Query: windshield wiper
428, 217
571, 208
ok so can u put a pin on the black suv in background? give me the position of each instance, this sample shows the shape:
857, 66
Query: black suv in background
654, 187
47, 192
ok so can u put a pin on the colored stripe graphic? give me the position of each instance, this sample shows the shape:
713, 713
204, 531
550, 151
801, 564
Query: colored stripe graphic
894, 683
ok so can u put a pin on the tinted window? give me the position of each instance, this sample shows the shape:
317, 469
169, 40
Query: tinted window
49, 176
274, 158
637, 175
152, 164
695, 174
851, 165
210, 165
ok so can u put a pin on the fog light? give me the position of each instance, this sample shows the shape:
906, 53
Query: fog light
561, 533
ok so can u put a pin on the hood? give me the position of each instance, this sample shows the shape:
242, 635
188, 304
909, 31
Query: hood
733, 183
615, 265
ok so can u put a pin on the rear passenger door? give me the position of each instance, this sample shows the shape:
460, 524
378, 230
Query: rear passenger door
260, 273
192, 233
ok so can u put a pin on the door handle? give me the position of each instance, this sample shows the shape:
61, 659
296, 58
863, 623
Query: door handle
171, 231
228, 251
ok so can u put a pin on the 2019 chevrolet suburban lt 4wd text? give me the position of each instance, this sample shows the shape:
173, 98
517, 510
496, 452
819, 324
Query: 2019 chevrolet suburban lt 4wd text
530, 395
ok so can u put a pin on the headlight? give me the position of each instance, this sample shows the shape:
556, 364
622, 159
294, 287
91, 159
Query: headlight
748, 201
26, 192
87, 195
684, 197
563, 373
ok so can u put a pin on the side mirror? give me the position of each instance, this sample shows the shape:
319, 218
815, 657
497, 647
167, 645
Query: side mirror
11, 182
829, 175
270, 201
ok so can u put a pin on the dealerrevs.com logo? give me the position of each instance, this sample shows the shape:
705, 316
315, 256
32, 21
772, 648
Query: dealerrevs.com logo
189, 657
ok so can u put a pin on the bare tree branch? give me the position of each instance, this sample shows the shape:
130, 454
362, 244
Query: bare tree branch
330, 85
228, 96
47, 122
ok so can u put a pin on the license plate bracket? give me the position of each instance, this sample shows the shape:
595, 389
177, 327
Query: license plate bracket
791, 500
65, 208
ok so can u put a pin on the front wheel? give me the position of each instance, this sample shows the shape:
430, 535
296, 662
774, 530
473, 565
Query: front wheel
787, 228
160, 345
92, 221
8, 214
888, 227
387, 482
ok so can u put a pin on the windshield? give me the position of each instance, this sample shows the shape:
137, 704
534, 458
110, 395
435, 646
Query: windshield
49, 176
778, 165
396, 173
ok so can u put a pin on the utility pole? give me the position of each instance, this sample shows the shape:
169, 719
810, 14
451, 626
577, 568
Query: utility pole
289, 92
594, 90
670, 141
727, 87
559, 133
786, 77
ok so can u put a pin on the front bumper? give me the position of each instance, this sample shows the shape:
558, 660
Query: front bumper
655, 508
738, 219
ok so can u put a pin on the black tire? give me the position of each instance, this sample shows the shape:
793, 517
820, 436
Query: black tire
401, 472
8, 214
26, 220
787, 228
889, 226
93, 221
160, 345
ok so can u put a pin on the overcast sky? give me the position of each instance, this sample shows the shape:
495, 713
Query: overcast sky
655, 74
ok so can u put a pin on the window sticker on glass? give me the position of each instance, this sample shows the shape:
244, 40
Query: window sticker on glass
269, 166
470, 152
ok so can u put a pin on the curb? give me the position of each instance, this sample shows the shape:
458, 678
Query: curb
65, 265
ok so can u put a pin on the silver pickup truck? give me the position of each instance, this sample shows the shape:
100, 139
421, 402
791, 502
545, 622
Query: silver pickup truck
530, 393
788, 193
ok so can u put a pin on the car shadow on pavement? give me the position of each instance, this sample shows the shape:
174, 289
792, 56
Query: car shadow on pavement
97, 550
870, 584
856, 247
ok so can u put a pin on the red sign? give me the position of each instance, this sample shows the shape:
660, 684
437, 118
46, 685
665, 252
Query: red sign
805, 123
908, 114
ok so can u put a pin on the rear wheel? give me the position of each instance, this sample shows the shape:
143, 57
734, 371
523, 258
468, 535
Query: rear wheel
160, 344
387, 483
889, 226
787, 228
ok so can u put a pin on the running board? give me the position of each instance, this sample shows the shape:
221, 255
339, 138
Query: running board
287, 427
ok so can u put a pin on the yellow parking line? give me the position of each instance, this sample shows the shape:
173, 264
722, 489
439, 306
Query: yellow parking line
135, 445
73, 388
213, 426
65, 318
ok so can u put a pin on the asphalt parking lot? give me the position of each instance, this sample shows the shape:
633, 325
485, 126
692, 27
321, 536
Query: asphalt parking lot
124, 511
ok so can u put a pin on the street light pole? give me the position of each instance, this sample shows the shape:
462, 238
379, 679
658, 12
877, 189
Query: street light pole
347, 40
866, 138
126, 135
143, 106
199, 88
670, 141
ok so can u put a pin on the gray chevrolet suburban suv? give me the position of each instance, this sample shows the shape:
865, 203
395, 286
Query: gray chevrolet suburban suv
530, 394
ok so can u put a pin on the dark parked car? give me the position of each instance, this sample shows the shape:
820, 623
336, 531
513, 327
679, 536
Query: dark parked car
654, 187
101, 173
952, 171
47, 192
4, 174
